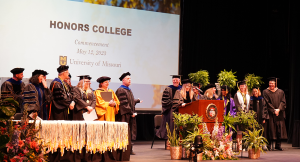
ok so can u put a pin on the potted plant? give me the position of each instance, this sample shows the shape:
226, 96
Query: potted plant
175, 147
201, 77
227, 78
253, 81
254, 141
186, 124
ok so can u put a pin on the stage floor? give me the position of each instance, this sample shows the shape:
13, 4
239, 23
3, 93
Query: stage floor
144, 153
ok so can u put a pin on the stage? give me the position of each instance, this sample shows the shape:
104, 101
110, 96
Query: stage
159, 154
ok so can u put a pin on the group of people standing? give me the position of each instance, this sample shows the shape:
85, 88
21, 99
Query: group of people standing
269, 105
62, 101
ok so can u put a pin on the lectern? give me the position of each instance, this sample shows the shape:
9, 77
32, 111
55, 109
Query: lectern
208, 109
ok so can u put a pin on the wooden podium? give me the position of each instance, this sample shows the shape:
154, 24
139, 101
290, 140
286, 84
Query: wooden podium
208, 109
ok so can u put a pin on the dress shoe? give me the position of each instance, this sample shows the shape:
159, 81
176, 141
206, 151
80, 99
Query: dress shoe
279, 148
132, 153
269, 148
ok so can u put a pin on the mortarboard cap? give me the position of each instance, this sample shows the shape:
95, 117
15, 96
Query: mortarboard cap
103, 79
273, 79
176, 76
184, 81
17, 70
224, 87
209, 86
241, 83
62, 68
124, 75
196, 84
41, 72
84, 77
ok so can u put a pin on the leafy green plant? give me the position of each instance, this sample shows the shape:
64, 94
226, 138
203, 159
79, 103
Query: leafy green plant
227, 78
229, 122
186, 122
254, 139
172, 137
202, 77
253, 81
246, 120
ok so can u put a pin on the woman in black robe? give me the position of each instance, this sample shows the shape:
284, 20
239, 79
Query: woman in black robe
183, 96
37, 95
258, 105
83, 97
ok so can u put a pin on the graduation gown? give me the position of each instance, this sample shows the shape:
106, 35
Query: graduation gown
229, 106
127, 108
82, 100
167, 111
103, 110
178, 100
15, 88
239, 102
276, 100
62, 98
258, 105
37, 97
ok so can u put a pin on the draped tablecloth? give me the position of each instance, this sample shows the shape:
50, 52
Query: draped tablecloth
95, 136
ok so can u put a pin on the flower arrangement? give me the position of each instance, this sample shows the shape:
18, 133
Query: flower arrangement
219, 146
23, 145
201, 77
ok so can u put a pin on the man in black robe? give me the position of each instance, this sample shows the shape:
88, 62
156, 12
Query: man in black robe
276, 105
167, 103
14, 87
62, 99
127, 109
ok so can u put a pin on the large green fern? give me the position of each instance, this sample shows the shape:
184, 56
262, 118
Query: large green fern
227, 78
202, 77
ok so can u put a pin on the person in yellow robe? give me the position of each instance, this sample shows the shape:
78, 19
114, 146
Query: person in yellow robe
106, 111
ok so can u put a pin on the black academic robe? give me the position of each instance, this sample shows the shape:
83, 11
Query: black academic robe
167, 112
36, 103
178, 100
82, 100
276, 124
259, 106
10, 89
62, 99
127, 108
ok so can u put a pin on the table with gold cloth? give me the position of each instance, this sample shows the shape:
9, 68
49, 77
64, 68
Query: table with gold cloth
84, 136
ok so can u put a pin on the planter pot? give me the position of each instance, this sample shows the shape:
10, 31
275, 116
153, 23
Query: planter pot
184, 153
199, 156
176, 152
253, 155
239, 137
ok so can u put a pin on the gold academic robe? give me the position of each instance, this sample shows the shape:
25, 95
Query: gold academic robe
103, 110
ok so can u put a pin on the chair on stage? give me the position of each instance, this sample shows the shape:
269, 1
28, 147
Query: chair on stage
157, 123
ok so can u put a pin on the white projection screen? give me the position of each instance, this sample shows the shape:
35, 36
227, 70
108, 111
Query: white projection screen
105, 39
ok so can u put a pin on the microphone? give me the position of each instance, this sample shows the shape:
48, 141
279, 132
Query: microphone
199, 89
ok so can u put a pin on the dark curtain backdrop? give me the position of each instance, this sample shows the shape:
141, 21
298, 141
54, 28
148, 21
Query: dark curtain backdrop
246, 37
260, 37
